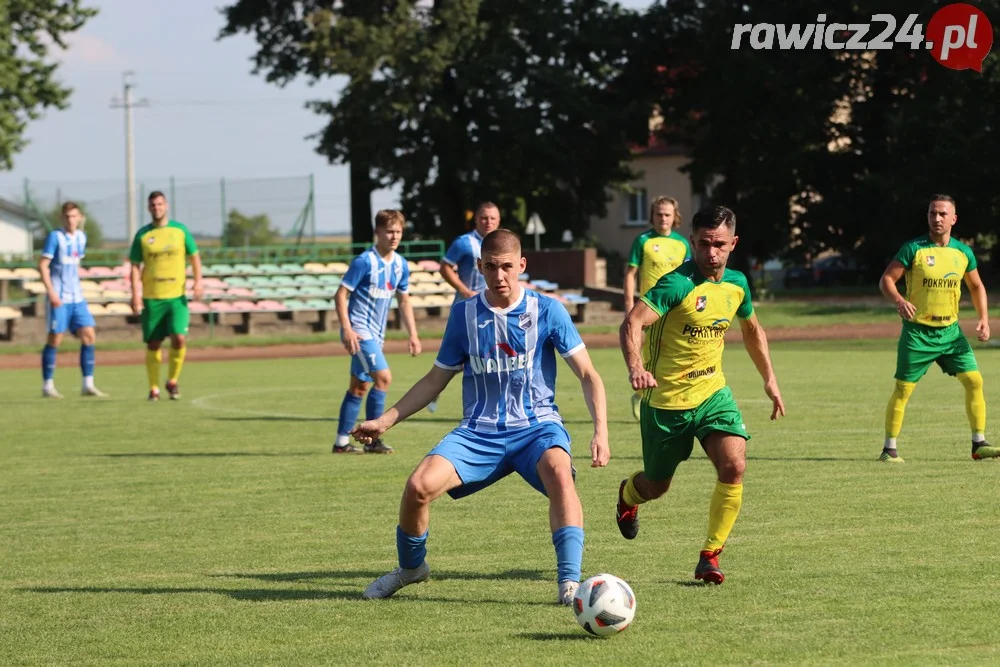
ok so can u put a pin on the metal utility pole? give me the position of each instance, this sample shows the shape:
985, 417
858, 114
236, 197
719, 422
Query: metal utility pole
128, 104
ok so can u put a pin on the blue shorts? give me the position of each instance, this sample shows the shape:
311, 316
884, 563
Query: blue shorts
71, 316
369, 359
480, 459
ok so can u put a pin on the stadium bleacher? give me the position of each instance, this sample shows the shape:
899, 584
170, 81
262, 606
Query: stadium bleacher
243, 289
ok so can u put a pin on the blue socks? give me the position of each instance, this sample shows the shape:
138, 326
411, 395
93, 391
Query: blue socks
568, 541
87, 360
349, 411
48, 362
411, 550
375, 405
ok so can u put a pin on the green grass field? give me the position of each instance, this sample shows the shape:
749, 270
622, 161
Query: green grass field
220, 530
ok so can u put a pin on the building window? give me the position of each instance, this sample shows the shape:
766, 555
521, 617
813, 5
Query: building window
638, 208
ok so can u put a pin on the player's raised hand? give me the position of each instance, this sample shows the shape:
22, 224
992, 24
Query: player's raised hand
906, 309
642, 379
771, 389
414, 346
351, 342
367, 431
600, 454
983, 330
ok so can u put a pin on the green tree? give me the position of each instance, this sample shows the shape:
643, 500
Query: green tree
28, 29
242, 230
462, 100
823, 149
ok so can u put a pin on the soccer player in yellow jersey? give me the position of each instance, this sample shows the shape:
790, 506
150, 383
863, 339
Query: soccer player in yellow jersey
654, 252
934, 266
159, 254
684, 393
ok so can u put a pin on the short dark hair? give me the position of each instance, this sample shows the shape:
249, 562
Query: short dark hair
501, 241
940, 197
70, 206
155, 194
713, 217
486, 204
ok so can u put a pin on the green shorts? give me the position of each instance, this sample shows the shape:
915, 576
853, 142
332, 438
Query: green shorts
162, 318
668, 435
920, 346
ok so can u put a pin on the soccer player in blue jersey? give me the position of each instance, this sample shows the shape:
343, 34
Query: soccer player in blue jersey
504, 342
66, 309
460, 265
363, 302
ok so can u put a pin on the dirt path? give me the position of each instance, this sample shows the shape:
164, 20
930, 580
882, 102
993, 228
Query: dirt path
124, 357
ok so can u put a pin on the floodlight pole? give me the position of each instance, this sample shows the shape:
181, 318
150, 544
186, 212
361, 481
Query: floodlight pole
128, 104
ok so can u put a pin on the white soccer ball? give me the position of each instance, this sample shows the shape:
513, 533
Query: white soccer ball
604, 605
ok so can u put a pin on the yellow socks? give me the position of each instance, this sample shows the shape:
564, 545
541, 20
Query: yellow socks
975, 403
177, 362
629, 494
153, 359
725, 507
895, 409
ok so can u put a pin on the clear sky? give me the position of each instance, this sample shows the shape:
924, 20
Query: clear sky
208, 118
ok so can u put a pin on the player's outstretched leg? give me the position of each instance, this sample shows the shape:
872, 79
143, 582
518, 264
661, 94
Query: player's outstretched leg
433, 476
630, 497
555, 472
975, 409
894, 413
728, 454
413, 567
375, 406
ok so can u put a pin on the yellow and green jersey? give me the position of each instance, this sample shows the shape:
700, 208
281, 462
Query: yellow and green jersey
163, 252
934, 278
655, 254
683, 349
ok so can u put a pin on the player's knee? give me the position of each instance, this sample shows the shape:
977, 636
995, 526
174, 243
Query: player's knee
358, 389
973, 381
418, 490
655, 488
382, 380
153, 345
731, 470
177, 341
54, 340
87, 336
904, 389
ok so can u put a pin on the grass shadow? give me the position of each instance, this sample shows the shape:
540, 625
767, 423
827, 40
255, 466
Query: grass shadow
242, 594
153, 455
275, 418
815, 459
554, 636
521, 575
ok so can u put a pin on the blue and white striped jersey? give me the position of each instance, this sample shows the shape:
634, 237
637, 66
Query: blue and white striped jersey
463, 254
372, 282
508, 356
66, 250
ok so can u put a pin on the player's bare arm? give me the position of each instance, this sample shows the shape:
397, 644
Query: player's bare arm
416, 399
892, 275
43, 269
450, 275
597, 403
197, 288
409, 321
978, 292
755, 341
136, 277
631, 275
349, 336
630, 337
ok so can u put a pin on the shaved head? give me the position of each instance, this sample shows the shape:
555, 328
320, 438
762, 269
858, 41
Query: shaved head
501, 242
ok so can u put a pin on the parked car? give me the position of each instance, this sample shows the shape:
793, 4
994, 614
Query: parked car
828, 271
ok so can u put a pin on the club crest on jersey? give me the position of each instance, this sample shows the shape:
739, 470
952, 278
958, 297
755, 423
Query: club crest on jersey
930, 260
150, 240
524, 321
700, 303
656, 248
